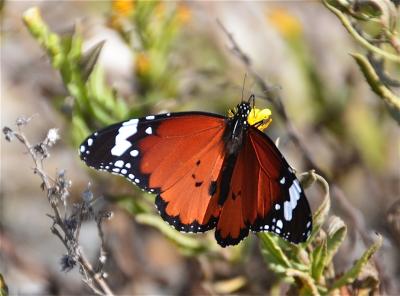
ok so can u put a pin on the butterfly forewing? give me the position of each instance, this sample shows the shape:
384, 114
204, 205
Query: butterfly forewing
178, 156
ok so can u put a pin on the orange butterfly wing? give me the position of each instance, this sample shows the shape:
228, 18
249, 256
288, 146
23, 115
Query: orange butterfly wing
264, 195
183, 159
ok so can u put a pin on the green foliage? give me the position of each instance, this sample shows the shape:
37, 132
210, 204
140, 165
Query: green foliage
94, 103
375, 25
150, 28
3, 286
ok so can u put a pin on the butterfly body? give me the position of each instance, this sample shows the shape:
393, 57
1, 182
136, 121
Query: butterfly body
208, 171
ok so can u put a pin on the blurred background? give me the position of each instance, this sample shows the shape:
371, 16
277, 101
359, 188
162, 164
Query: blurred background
173, 56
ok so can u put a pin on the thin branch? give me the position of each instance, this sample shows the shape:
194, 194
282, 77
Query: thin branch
56, 192
353, 32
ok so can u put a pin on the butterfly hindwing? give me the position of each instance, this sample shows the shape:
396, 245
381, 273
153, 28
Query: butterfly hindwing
232, 227
283, 207
264, 195
177, 156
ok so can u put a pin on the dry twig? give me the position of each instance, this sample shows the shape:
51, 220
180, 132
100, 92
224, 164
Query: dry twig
65, 227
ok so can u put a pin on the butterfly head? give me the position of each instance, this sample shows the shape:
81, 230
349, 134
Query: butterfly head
251, 116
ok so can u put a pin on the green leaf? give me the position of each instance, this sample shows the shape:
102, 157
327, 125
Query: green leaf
337, 231
75, 52
322, 212
40, 31
79, 130
318, 261
3, 286
351, 275
134, 205
187, 244
391, 100
229, 286
89, 60
269, 246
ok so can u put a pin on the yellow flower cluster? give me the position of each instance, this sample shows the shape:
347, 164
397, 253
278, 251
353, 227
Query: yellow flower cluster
260, 118
142, 63
285, 22
122, 8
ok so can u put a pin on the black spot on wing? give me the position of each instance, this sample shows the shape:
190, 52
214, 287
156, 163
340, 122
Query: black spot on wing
213, 188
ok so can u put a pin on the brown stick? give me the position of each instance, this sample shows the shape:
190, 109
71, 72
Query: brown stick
94, 280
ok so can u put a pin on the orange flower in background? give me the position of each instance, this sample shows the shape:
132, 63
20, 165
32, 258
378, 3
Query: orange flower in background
285, 22
159, 10
183, 13
142, 63
122, 8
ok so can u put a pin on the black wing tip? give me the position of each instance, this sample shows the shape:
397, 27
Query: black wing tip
175, 222
230, 241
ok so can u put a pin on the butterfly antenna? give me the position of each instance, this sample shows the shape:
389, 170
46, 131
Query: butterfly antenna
252, 98
244, 82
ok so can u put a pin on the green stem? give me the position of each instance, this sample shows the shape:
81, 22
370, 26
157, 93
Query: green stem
346, 23
392, 101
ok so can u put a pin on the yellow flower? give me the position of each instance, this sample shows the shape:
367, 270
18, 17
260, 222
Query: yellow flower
261, 119
122, 8
142, 63
285, 22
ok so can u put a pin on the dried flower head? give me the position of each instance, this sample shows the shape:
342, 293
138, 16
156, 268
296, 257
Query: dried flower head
67, 263
52, 137
8, 133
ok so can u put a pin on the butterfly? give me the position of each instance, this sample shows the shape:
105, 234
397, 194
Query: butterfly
207, 171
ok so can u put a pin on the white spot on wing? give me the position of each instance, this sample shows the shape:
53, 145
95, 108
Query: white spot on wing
279, 224
277, 207
282, 181
297, 184
128, 129
149, 130
134, 153
124, 171
90, 141
82, 148
128, 165
131, 176
119, 163
294, 195
150, 117
287, 211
